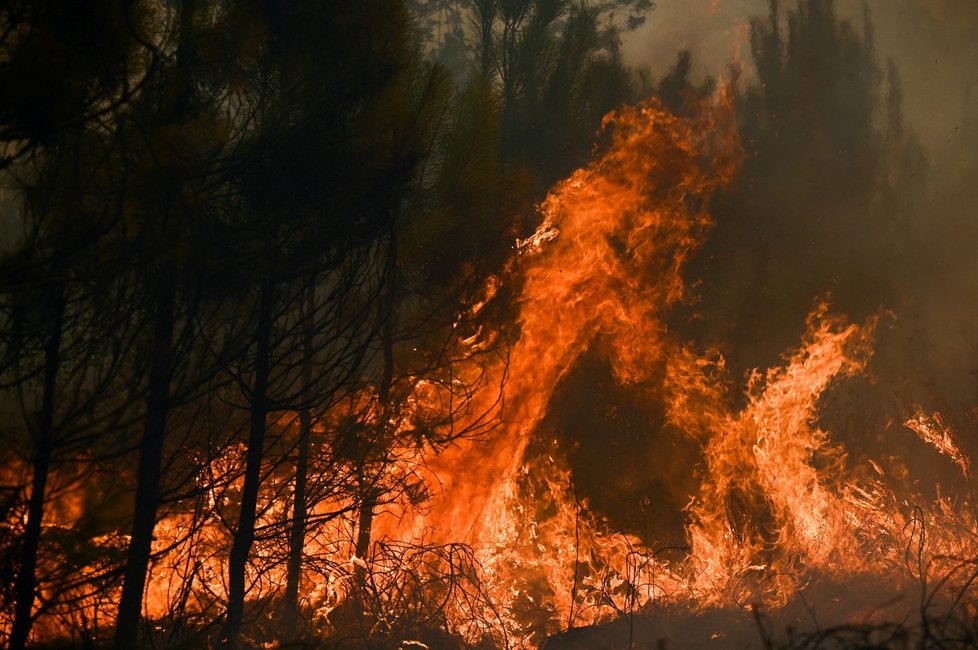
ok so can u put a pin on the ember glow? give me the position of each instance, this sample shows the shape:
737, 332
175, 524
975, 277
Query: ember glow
410, 485
775, 507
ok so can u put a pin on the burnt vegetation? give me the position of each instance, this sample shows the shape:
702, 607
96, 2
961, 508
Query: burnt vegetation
257, 255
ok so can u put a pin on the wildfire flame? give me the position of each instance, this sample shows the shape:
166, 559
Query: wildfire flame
772, 498
606, 264
775, 505
603, 270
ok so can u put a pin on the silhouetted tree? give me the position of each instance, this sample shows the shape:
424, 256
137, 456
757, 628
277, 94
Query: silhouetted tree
173, 143
813, 210
66, 72
559, 71
322, 177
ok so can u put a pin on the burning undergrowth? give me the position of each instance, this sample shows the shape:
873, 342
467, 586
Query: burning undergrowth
774, 507
736, 498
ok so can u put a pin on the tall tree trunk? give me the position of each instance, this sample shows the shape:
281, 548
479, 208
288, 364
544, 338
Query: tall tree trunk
244, 537
365, 525
148, 479
25, 584
368, 491
297, 534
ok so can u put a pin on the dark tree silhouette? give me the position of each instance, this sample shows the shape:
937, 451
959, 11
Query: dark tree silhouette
814, 202
59, 85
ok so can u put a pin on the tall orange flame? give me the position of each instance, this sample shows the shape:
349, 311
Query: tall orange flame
606, 263
773, 493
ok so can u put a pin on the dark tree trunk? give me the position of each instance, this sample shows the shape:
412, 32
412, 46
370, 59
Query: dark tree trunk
25, 584
244, 537
362, 549
297, 534
368, 491
365, 528
148, 479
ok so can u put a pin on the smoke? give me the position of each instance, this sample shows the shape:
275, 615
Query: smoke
931, 42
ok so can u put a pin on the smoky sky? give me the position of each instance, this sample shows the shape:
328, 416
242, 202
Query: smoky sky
932, 42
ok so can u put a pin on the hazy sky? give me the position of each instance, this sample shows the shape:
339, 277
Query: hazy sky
933, 42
